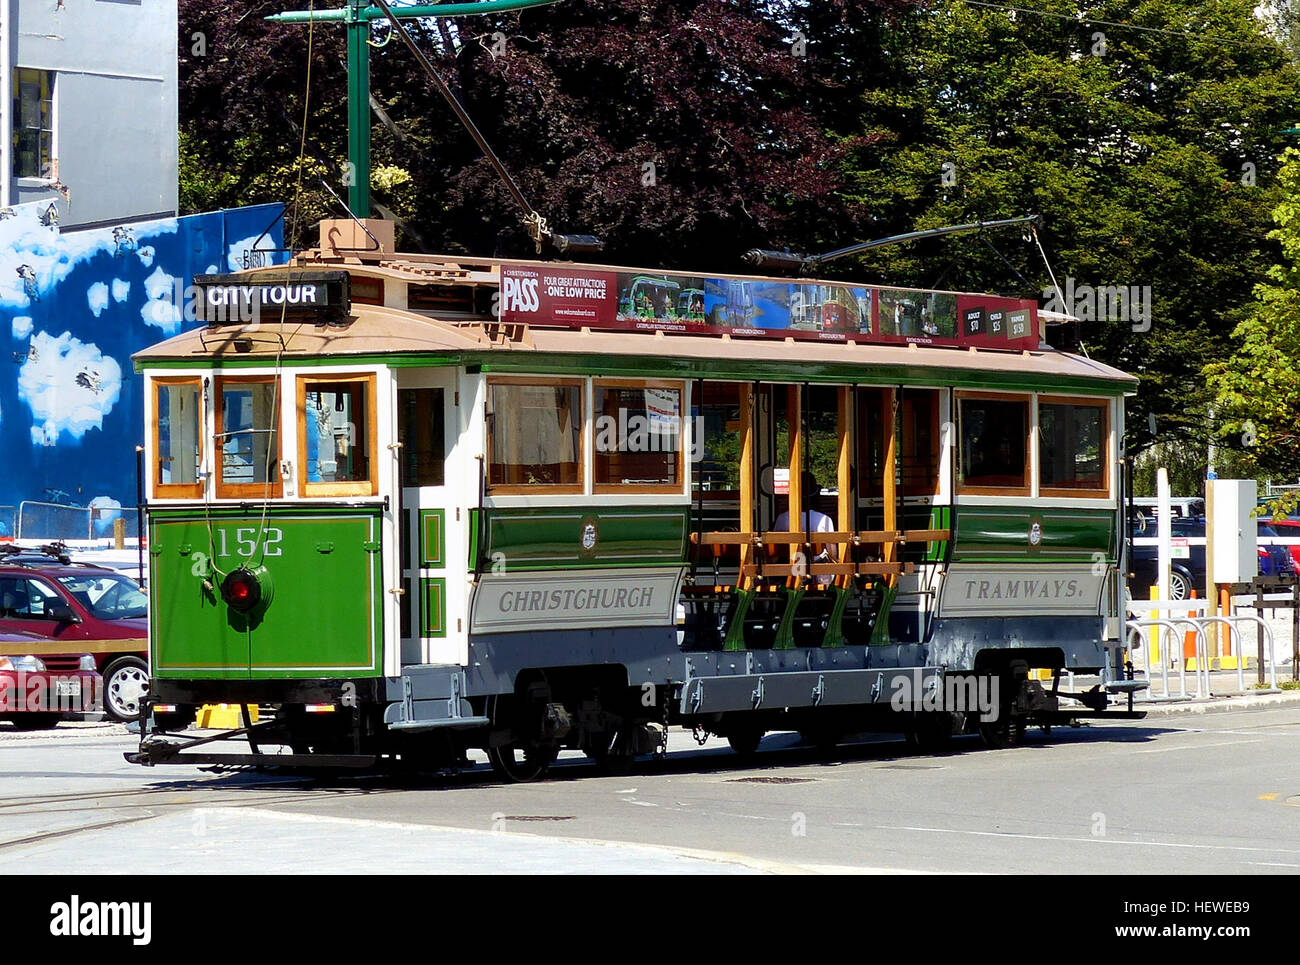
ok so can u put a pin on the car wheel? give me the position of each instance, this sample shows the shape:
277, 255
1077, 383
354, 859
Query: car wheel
125, 682
1180, 585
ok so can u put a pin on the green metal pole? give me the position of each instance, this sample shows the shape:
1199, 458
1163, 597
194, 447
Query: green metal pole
358, 108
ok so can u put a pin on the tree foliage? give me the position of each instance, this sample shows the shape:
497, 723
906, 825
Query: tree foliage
1150, 148
1257, 387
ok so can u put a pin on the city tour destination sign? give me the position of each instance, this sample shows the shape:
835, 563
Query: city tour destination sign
577, 296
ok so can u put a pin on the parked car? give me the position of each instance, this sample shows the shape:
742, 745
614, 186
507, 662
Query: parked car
1288, 528
84, 608
38, 689
1187, 567
1179, 506
1275, 560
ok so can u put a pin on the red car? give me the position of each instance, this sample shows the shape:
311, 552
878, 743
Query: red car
77, 608
39, 691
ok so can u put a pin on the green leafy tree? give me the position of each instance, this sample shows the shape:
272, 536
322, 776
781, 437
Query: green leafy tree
1257, 389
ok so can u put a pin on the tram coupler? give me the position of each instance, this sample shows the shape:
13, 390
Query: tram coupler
157, 749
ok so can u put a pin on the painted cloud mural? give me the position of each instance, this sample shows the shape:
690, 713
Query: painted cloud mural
74, 306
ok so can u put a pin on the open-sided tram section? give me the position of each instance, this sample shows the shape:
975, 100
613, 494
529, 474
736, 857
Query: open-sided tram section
426, 504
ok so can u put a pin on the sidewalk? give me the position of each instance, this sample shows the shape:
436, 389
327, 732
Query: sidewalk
1224, 694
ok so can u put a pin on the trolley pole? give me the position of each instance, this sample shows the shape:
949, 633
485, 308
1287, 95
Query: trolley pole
356, 18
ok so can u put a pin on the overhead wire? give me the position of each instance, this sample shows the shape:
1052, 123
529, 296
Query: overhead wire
273, 434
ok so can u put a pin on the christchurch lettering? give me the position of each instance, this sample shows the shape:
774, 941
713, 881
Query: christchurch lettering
593, 598
73, 918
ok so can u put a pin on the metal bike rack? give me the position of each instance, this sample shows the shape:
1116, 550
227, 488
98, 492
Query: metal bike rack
1202, 664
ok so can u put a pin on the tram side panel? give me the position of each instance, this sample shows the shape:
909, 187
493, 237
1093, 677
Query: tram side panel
1029, 579
317, 621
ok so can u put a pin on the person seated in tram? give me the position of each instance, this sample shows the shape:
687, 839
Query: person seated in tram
813, 521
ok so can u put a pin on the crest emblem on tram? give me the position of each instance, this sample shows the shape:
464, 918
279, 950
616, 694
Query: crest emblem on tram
590, 536
1035, 533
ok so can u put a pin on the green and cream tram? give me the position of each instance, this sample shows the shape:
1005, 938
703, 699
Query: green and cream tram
429, 504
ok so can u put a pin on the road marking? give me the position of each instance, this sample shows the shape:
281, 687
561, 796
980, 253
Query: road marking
1052, 837
1269, 797
1196, 747
1272, 864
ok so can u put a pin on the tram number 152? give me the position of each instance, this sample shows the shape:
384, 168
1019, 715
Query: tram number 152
245, 539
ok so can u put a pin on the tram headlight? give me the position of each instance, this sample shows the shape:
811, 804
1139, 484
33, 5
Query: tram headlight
245, 588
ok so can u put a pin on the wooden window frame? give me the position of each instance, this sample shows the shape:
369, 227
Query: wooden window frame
261, 490
613, 383
1031, 423
163, 490
1102, 491
367, 487
525, 489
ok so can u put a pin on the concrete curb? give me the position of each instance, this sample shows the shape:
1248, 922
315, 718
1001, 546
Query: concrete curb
1218, 705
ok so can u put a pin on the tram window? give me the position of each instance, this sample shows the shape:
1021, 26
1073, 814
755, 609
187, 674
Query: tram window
420, 429
336, 436
178, 446
716, 416
638, 435
918, 452
994, 442
248, 438
535, 435
1072, 442
920, 442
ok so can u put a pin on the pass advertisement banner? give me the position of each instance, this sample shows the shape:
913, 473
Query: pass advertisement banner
579, 296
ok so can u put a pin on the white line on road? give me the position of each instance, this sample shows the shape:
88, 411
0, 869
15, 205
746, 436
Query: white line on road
1051, 837
1196, 747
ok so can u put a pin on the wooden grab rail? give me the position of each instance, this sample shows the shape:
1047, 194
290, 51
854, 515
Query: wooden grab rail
828, 569
783, 538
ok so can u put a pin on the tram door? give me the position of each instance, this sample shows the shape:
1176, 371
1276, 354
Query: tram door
433, 522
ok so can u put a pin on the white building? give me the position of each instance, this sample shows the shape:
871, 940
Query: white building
88, 97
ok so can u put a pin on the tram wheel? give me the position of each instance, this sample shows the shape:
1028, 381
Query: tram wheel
745, 742
608, 755
1003, 731
931, 732
519, 765
824, 739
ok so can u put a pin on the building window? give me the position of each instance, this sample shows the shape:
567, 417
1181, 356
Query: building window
1073, 438
178, 433
33, 117
336, 435
994, 444
248, 438
535, 436
637, 435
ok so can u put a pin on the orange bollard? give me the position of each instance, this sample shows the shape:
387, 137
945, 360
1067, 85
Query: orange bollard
1189, 638
1225, 610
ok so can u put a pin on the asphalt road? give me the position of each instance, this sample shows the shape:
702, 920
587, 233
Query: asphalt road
1215, 793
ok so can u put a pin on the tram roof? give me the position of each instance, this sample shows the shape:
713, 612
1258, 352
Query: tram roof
379, 333
413, 337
